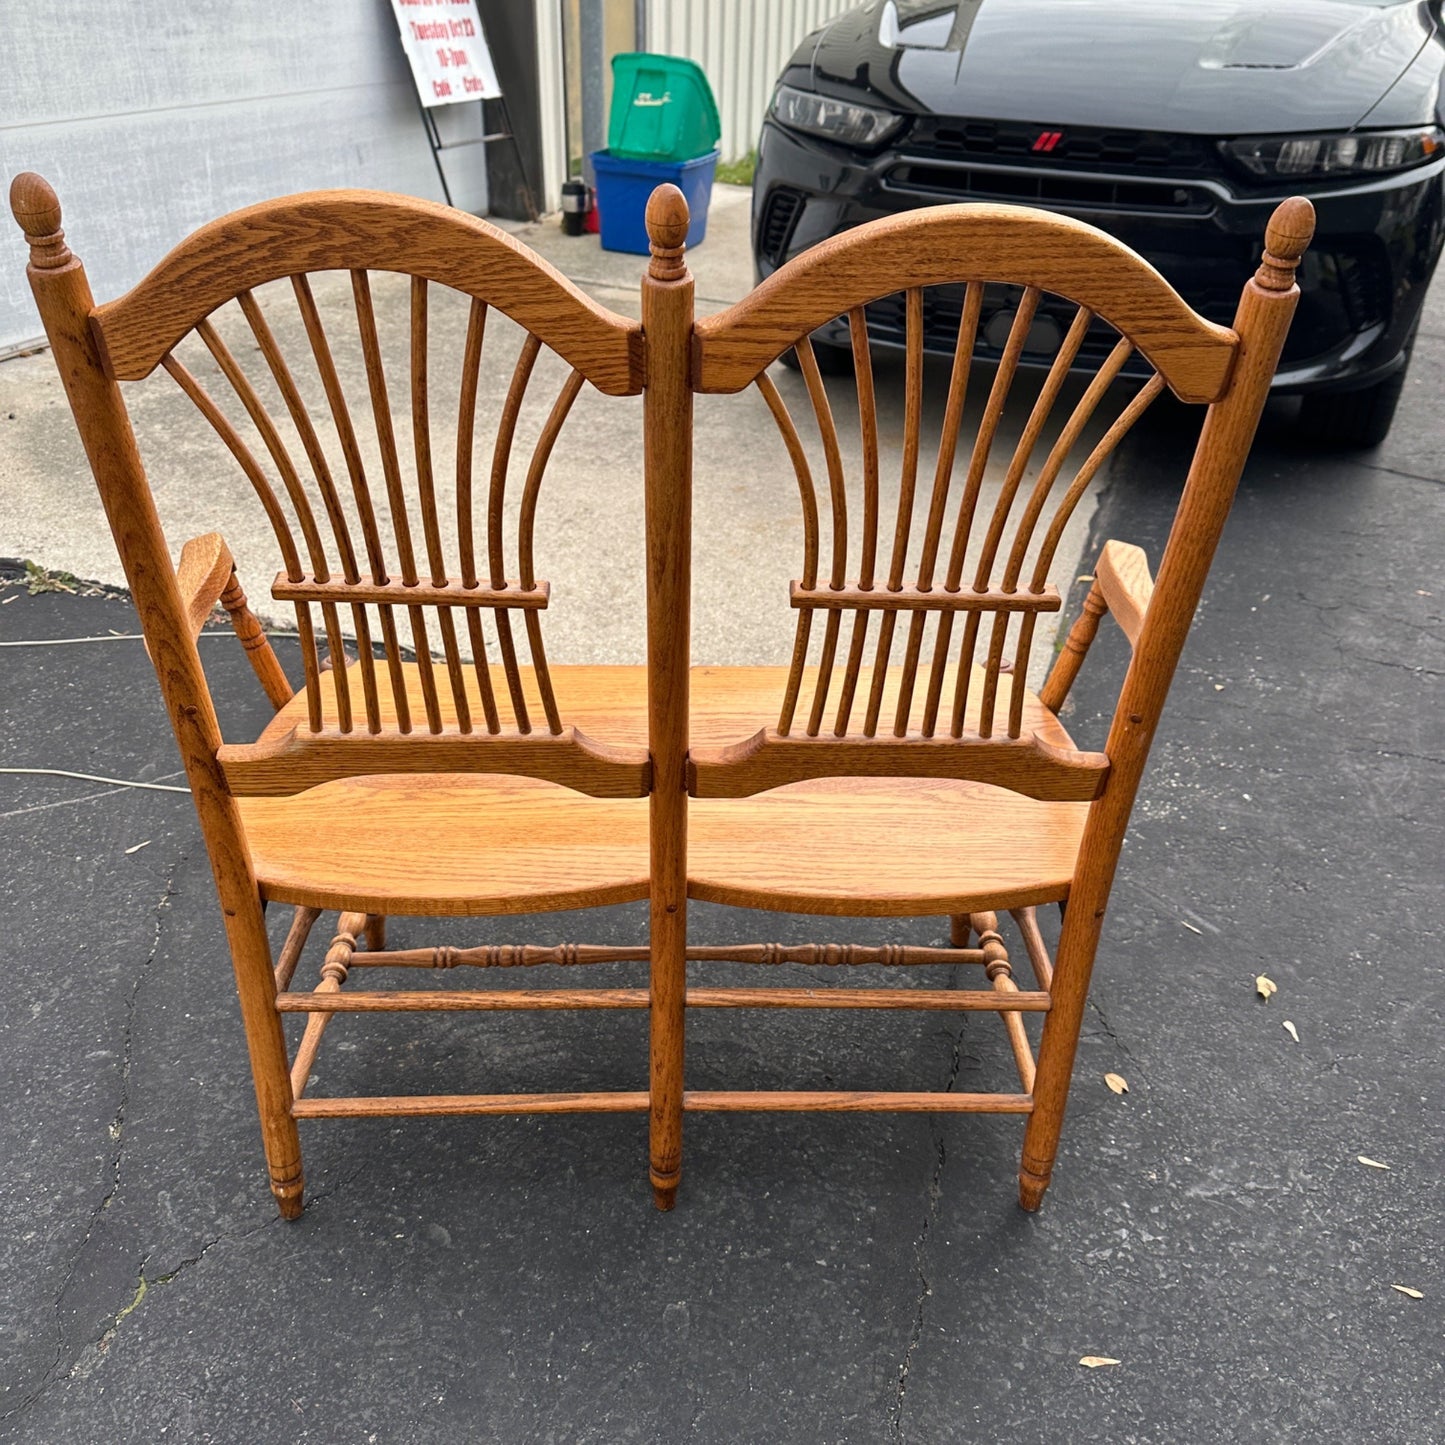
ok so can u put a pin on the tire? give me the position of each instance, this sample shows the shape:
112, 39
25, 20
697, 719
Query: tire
832, 360
1351, 420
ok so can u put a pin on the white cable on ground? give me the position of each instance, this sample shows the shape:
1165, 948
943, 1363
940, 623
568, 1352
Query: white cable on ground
114, 637
94, 778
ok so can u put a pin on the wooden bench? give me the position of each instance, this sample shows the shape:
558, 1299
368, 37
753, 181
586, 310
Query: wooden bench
900, 766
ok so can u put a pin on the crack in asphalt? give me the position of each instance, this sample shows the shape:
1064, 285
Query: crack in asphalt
54, 1371
920, 1245
1401, 472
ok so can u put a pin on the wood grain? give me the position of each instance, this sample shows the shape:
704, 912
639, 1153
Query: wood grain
365, 231
914, 848
447, 846
1122, 573
839, 1101
667, 319
980, 242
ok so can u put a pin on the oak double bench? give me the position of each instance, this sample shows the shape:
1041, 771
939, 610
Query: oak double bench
900, 766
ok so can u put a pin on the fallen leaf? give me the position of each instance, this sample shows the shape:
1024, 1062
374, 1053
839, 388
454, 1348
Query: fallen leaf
1290, 1029
1193, 929
1405, 1289
1092, 1362
1265, 986
1371, 1163
139, 846
1219, 687
1117, 1083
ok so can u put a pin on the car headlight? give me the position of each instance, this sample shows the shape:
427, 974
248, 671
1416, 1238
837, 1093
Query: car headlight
1367, 152
838, 120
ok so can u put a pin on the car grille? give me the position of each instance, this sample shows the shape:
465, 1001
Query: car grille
1363, 279
1077, 191
775, 228
1157, 153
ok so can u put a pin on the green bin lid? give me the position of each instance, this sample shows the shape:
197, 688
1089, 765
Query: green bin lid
662, 109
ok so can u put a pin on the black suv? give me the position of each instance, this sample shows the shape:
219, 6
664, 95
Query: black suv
1177, 128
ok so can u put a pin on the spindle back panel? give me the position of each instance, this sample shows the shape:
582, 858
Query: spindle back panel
336, 437
918, 596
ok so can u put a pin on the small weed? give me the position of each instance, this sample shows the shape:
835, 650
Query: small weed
738, 172
40, 579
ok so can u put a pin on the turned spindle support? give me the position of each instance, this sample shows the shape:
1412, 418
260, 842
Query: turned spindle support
667, 322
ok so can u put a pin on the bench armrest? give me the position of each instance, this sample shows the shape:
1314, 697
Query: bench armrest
207, 575
203, 575
1123, 576
1122, 587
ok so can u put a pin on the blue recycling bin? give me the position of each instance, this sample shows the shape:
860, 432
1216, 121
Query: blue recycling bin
623, 188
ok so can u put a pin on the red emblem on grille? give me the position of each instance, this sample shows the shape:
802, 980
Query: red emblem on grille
1047, 140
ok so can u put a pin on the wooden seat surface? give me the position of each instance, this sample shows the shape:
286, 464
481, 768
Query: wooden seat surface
482, 844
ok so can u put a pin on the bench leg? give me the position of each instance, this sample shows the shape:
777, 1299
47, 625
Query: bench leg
665, 1072
266, 1044
1073, 966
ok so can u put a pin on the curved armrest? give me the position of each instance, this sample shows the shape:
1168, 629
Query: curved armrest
203, 575
1122, 586
1123, 576
207, 575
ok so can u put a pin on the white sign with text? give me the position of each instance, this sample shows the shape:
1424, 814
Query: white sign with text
449, 57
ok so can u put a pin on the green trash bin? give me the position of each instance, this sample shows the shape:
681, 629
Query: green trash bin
662, 109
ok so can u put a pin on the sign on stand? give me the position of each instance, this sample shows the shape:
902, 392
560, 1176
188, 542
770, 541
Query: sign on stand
448, 52
450, 63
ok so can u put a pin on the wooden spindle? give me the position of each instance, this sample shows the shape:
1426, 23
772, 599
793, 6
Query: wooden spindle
361, 495
963, 525
280, 527
305, 516
301, 420
334, 970
300, 930
667, 320
912, 425
496, 499
868, 431
430, 521
257, 646
808, 498
938, 500
541, 455
1076, 646
838, 499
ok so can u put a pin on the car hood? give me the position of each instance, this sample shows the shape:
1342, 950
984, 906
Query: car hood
1212, 67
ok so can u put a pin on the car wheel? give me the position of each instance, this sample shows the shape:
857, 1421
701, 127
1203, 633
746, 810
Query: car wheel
1351, 419
832, 360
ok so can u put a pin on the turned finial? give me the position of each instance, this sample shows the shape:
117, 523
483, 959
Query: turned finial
36, 209
1286, 239
667, 223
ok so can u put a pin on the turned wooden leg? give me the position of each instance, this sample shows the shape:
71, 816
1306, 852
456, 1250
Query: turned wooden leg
959, 929
1069, 987
667, 314
375, 932
266, 1044
665, 1053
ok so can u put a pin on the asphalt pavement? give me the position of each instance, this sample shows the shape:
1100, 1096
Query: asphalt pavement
824, 1278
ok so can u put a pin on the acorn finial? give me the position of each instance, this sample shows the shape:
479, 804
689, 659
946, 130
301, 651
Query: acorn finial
667, 223
1286, 239
36, 208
